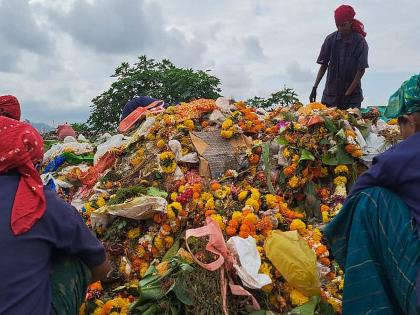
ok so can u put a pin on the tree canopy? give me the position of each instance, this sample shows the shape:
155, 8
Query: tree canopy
147, 77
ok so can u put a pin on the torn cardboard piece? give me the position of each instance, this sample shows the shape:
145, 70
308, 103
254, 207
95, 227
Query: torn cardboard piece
216, 154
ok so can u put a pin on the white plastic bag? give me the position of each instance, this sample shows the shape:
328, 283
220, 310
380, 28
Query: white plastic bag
176, 148
250, 262
113, 142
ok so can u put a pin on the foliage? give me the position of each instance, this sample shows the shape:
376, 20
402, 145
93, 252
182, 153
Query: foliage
161, 80
282, 98
80, 128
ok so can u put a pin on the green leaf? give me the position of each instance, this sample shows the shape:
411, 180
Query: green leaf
156, 192
307, 308
282, 140
181, 293
343, 157
306, 155
329, 124
266, 158
341, 134
324, 308
172, 251
329, 159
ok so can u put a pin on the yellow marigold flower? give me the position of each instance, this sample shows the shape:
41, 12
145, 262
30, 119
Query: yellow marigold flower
271, 201
325, 217
174, 195
143, 269
255, 194
89, 208
227, 124
340, 180
298, 298
150, 136
295, 158
294, 182
251, 217
97, 311
242, 195
227, 134
297, 126
158, 242
227, 190
206, 196
237, 215
286, 153
220, 194
133, 233
209, 204
253, 203
341, 284
185, 255
297, 224
341, 169
162, 268
317, 235
161, 144
140, 251
170, 213
219, 219
393, 121
101, 201
169, 241
265, 268
175, 207
189, 124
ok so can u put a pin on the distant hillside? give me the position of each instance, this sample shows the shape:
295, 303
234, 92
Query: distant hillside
41, 127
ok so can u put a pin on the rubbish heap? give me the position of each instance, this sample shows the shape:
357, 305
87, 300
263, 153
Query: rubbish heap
214, 207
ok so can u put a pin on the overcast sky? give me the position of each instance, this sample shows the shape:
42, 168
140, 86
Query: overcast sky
55, 56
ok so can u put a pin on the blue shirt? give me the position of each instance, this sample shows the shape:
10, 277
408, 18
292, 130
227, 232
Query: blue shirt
343, 59
141, 101
25, 260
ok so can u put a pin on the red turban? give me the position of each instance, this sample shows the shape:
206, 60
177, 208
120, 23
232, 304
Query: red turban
9, 106
345, 13
21, 147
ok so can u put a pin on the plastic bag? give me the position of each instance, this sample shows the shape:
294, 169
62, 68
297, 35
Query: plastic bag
139, 208
293, 258
250, 262
176, 148
113, 142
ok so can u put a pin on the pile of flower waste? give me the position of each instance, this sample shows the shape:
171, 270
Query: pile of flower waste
214, 207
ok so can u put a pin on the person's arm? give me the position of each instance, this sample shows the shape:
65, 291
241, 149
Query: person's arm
323, 60
100, 272
70, 236
356, 81
320, 75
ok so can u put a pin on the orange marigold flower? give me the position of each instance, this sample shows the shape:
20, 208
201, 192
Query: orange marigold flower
321, 250
325, 208
230, 231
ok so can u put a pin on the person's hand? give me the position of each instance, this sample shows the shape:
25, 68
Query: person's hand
312, 97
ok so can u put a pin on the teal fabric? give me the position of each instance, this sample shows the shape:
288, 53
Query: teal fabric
373, 238
69, 280
406, 100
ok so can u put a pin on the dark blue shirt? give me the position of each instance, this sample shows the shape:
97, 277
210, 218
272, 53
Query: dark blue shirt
343, 58
398, 169
25, 260
141, 101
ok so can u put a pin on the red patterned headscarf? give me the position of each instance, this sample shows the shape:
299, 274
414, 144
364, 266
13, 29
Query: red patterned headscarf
345, 13
9, 106
21, 147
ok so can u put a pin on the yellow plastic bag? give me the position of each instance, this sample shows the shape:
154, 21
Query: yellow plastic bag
295, 261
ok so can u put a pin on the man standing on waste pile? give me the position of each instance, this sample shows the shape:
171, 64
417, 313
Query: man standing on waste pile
48, 254
345, 55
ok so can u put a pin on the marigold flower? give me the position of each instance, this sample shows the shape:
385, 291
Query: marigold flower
219, 219
325, 208
341, 169
253, 203
340, 180
237, 216
133, 233
298, 225
293, 182
242, 195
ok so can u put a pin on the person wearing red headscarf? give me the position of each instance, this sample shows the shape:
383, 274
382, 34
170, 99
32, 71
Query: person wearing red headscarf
39, 232
9, 107
345, 55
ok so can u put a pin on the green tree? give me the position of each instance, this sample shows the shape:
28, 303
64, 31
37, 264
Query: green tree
161, 80
282, 98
